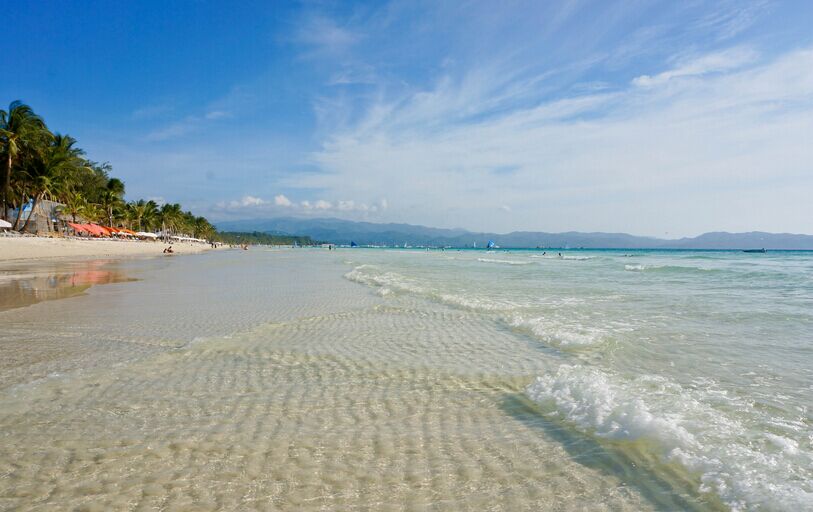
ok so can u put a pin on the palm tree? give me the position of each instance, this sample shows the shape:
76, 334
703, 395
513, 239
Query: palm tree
45, 171
110, 202
142, 213
171, 217
203, 228
19, 127
151, 214
20, 189
111, 198
92, 212
116, 186
74, 204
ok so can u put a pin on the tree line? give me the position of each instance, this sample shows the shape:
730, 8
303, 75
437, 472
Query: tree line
38, 164
259, 238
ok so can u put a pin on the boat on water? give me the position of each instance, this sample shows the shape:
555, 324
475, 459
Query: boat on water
754, 250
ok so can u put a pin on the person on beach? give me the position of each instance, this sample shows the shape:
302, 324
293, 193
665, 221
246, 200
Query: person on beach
168, 250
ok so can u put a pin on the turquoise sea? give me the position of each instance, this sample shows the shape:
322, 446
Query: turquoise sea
376, 379
695, 362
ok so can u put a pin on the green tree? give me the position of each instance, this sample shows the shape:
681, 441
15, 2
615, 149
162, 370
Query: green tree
112, 199
20, 128
74, 205
46, 170
171, 217
142, 214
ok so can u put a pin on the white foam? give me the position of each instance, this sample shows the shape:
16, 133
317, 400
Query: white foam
666, 268
387, 283
588, 398
504, 262
563, 257
560, 335
688, 430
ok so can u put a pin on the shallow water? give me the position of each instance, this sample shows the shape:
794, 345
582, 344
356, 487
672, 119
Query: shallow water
406, 380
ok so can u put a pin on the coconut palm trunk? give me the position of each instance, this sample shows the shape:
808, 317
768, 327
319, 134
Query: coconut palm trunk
6, 186
19, 214
31, 213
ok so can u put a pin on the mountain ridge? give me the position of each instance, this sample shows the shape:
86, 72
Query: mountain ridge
341, 231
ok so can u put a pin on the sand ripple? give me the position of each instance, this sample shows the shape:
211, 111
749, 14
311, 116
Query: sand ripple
336, 400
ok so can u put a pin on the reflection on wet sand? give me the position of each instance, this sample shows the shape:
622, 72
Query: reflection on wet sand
23, 284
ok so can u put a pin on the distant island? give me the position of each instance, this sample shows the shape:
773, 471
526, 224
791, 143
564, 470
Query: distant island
344, 232
260, 238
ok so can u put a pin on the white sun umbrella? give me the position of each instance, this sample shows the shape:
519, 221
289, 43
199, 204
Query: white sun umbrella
4, 224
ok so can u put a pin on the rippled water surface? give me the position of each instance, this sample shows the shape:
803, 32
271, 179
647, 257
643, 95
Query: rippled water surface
410, 380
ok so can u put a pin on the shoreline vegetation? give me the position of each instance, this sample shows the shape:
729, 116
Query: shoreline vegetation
51, 189
47, 182
260, 238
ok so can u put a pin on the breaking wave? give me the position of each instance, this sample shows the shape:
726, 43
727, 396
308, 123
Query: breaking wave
748, 473
504, 262
665, 268
389, 283
556, 334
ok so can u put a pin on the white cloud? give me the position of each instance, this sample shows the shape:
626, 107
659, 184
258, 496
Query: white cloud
281, 200
282, 203
151, 111
325, 35
647, 158
216, 114
173, 130
726, 60
185, 126
251, 201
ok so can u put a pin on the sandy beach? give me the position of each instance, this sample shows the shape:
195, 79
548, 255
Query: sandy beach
266, 380
22, 248
306, 379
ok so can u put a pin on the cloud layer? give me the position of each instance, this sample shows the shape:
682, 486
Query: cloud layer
661, 118
722, 139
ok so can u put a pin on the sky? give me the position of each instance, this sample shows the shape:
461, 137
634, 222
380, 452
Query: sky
655, 118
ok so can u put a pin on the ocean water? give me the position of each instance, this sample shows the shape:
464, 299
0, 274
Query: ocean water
414, 380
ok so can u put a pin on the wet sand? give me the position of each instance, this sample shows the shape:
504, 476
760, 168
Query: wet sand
267, 381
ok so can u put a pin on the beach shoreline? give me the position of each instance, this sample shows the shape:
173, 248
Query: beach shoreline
42, 248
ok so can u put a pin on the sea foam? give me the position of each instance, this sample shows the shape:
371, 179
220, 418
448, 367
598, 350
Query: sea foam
564, 336
744, 472
504, 262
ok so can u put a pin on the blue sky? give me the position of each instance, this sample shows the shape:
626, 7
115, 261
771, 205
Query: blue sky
658, 118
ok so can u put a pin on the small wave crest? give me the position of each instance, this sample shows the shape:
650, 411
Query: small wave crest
564, 257
766, 473
389, 283
504, 262
557, 334
664, 268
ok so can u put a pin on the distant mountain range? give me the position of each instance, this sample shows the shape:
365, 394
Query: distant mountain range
367, 233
